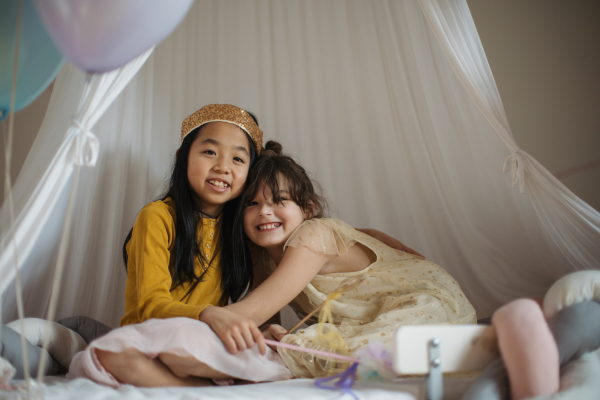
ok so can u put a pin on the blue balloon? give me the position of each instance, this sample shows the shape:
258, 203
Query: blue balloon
39, 58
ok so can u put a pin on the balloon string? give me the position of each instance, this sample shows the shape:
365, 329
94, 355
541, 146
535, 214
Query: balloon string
311, 351
60, 263
8, 195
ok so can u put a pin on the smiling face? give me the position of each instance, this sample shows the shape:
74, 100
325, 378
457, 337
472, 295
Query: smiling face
218, 165
270, 224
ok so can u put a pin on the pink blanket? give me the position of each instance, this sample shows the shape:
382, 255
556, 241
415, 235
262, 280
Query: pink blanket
183, 337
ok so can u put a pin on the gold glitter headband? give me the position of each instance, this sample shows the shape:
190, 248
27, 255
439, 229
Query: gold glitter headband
224, 113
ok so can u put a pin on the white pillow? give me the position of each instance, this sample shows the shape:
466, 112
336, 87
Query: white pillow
7, 371
570, 289
63, 345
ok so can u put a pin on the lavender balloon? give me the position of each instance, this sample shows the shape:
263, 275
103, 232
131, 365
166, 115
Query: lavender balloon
99, 36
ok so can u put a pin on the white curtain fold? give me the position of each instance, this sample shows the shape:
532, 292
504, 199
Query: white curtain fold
79, 147
570, 223
361, 93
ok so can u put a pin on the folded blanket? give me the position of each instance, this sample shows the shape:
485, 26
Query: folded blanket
183, 337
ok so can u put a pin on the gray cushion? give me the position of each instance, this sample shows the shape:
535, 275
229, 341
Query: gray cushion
576, 330
88, 328
10, 349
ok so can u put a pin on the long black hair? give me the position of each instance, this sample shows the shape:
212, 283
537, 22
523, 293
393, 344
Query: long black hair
236, 263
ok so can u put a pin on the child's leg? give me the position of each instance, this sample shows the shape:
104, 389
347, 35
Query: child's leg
528, 349
189, 366
136, 368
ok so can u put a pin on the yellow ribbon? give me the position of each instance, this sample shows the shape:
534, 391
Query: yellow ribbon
333, 339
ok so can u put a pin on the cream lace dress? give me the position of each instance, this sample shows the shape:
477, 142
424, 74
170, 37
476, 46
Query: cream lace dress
399, 289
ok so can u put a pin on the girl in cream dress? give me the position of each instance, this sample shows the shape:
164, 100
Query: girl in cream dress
397, 289
312, 257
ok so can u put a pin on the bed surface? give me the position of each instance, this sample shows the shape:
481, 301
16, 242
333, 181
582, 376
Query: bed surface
580, 381
296, 389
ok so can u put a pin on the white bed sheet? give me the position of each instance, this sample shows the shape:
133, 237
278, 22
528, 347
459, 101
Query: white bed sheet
57, 388
580, 381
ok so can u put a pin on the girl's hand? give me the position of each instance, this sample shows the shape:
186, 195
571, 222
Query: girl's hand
236, 332
273, 332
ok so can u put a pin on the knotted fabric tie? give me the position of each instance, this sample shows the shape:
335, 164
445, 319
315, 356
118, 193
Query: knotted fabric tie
514, 163
86, 146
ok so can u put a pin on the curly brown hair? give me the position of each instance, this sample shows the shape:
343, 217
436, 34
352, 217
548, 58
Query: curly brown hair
274, 169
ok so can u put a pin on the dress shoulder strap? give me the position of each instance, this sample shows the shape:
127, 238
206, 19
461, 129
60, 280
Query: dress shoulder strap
323, 235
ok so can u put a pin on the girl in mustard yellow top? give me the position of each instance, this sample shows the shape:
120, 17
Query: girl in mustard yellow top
186, 254
174, 254
151, 291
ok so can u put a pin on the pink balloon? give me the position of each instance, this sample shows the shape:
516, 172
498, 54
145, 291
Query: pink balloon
102, 35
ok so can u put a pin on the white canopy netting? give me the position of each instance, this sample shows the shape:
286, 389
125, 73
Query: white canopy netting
391, 105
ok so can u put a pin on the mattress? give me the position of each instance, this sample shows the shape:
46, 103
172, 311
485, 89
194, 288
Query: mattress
580, 381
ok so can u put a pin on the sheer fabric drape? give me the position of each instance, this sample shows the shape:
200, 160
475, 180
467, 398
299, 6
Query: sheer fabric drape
364, 96
40, 189
572, 226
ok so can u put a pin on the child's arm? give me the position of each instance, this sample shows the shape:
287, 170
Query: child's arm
297, 268
390, 241
260, 268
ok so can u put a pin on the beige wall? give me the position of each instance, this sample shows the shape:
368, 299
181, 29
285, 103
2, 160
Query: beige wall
27, 125
545, 56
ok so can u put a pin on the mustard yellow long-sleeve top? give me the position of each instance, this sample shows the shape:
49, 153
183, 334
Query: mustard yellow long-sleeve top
149, 292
